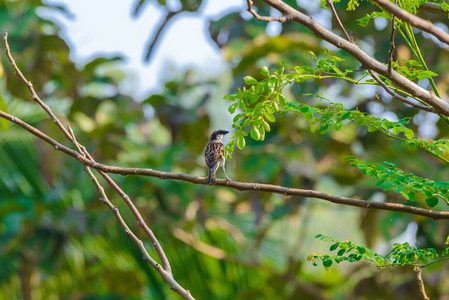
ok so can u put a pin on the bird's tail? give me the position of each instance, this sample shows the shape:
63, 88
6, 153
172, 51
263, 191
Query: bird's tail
211, 177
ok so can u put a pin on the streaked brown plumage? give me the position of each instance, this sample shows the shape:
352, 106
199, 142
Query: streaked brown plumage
215, 155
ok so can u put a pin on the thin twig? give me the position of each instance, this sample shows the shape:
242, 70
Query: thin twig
421, 283
342, 28
166, 275
399, 97
368, 62
391, 51
137, 215
413, 20
33, 93
281, 19
166, 268
161, 27
70, 137
241, 186
390, 54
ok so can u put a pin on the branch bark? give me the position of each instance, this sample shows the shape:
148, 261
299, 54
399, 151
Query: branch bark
433, 8
368, 62
240, 186
422, 289
399, 97
164, 270
413, 20
390, 58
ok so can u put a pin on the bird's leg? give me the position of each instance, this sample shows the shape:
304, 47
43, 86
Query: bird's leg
223, 168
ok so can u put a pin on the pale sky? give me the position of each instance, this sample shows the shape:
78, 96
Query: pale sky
106, 28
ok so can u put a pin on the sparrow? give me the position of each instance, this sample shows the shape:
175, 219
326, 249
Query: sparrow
215, 155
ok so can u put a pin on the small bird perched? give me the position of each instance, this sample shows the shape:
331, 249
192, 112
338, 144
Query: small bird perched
215, 155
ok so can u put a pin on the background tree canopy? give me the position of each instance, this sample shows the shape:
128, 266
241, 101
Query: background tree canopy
305, 114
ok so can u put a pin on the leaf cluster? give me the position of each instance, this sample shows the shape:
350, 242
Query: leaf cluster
261, 100
400, 254
408, 185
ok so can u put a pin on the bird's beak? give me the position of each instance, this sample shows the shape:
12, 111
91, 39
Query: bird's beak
225, 132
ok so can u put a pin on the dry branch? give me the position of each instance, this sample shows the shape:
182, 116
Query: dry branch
241, 186
164, 270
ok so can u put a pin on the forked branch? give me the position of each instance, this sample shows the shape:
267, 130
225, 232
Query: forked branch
440, 106
164, 270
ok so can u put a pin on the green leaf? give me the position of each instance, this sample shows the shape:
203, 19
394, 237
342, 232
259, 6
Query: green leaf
262, 134
432, 201
304, 109
269, 109
334, 246
361, 249
280, 71
308, 115
271, 85
327, 262
324, 128
249, 80
237, 117
265, 125
404, 193
264, 71
255, 134
233, 107
269, 117
380, 182
282, 100
396, 130
242, 104
241, 142
409, 133
345, 115
341, 252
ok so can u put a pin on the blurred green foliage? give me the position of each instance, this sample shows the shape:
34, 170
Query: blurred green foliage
58, 241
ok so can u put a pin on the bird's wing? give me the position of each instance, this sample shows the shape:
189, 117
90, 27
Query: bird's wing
214, 152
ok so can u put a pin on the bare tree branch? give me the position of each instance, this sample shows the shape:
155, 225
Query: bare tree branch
421, 283
413, 20
161, 27
440, 106
391, 51
390, 54
342, 28
280, 19
165, 271
433, 8
140, 221
399, 97
241, 186
33, 93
